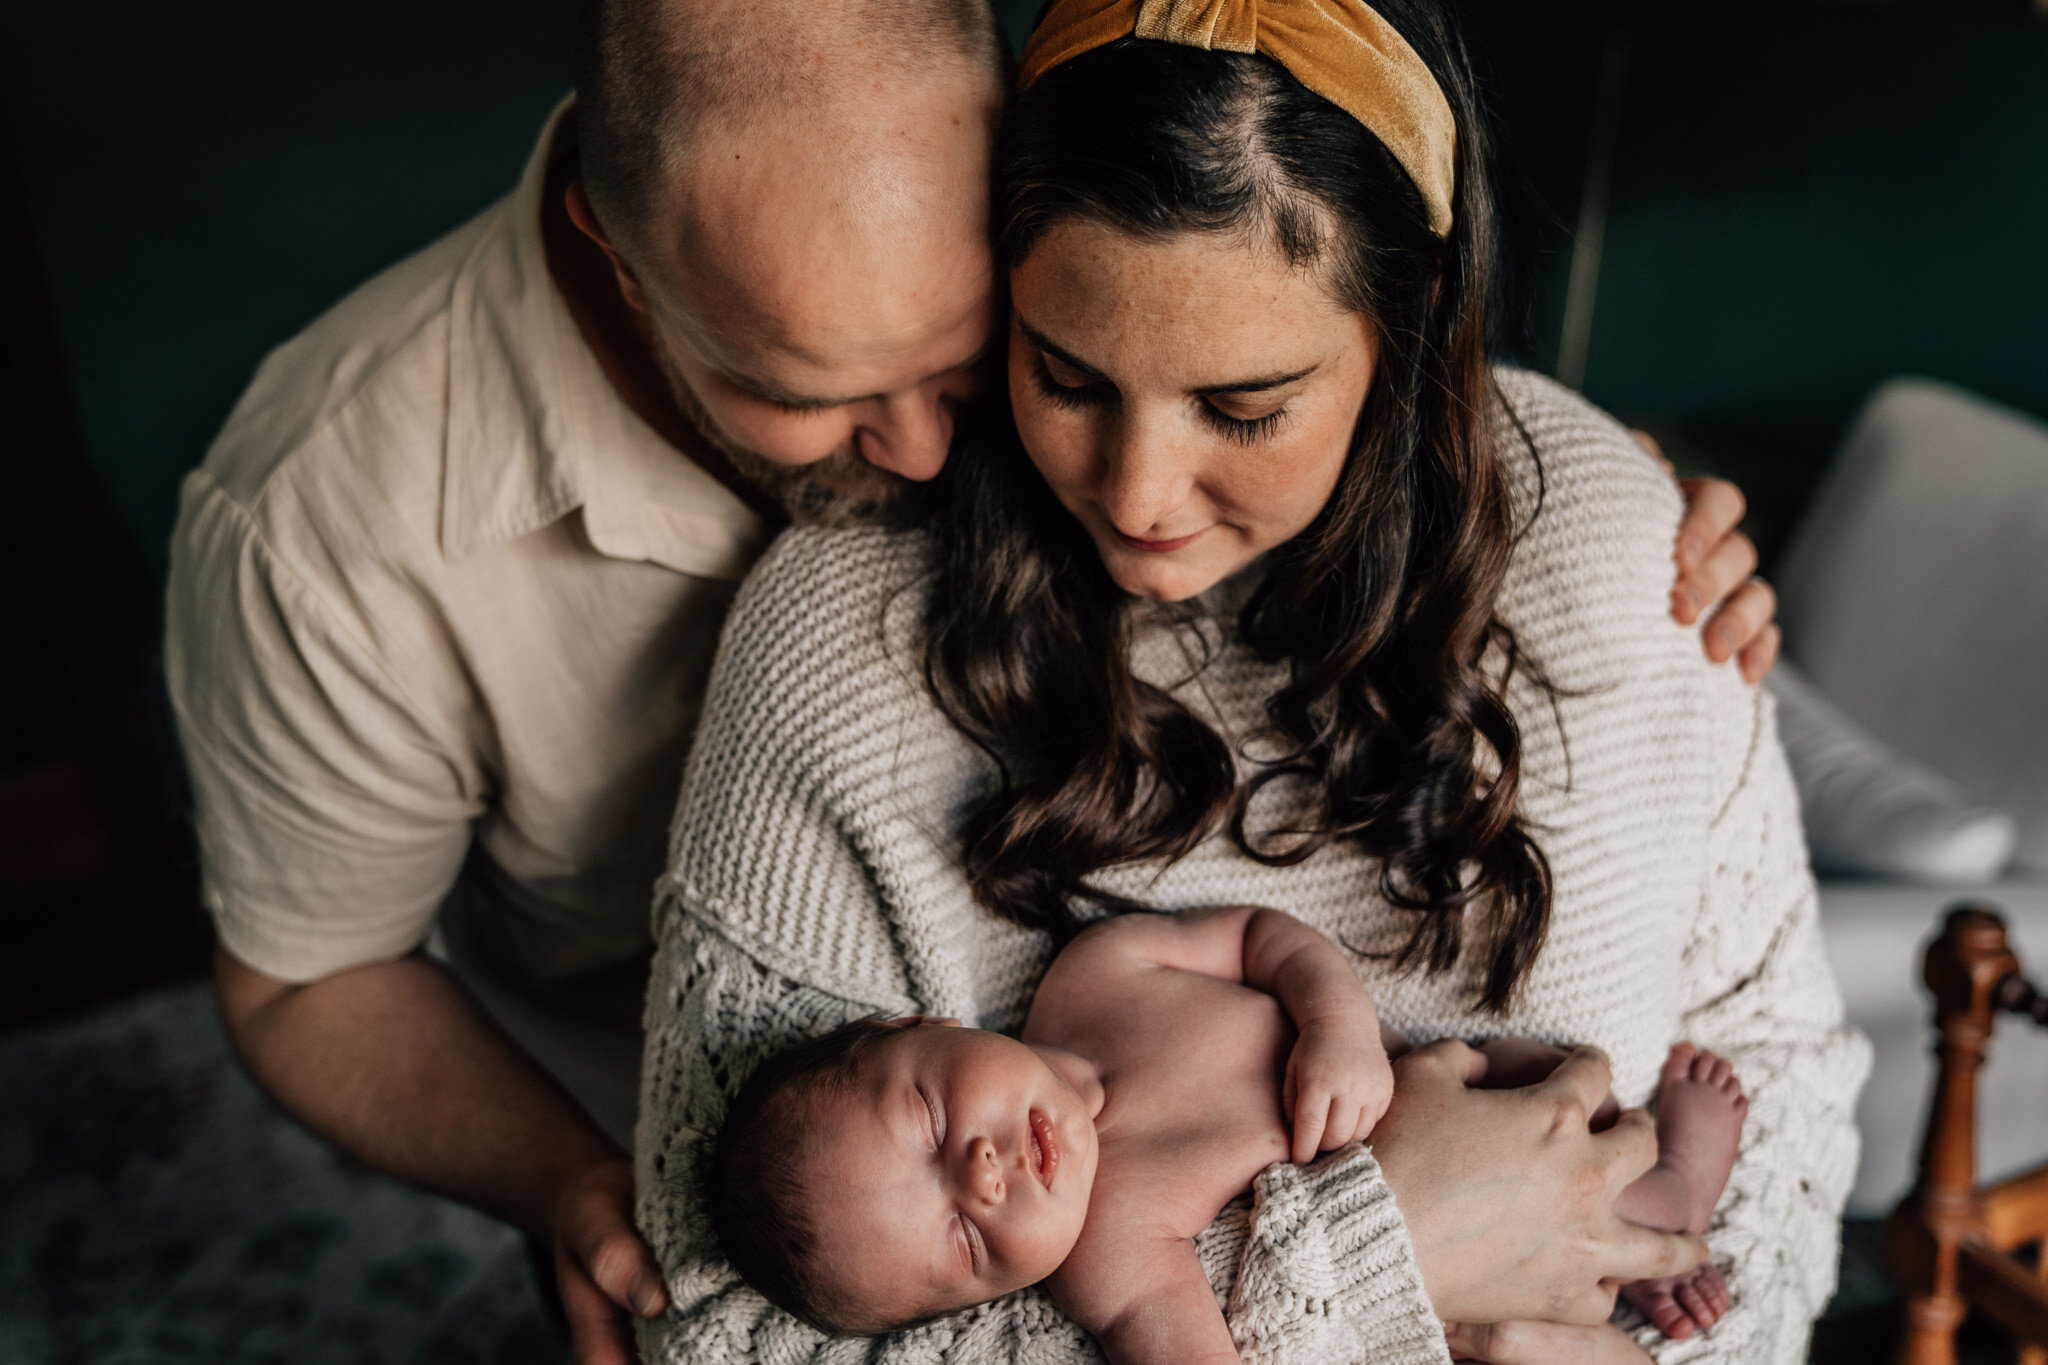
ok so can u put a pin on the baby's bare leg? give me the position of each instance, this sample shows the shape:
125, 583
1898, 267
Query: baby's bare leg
1700, 1108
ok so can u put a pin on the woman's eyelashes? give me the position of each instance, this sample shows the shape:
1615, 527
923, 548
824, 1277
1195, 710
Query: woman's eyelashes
1099, 394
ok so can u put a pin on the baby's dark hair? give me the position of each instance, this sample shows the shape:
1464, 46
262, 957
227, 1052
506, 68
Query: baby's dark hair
759, 1204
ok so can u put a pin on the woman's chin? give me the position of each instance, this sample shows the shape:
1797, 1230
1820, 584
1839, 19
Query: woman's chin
1163, 578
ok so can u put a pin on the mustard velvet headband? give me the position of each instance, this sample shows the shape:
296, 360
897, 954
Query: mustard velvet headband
1341, 49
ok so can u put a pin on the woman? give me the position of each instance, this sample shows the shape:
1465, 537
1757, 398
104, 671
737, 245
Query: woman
1279, 595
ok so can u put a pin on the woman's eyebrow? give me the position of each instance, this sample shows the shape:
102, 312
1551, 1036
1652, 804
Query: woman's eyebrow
1069, 359
1256, 385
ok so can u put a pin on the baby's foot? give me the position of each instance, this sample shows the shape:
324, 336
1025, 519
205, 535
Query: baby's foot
1682, 1304
1700, 1108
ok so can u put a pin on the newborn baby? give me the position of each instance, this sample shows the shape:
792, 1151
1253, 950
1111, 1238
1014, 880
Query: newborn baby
896, 1170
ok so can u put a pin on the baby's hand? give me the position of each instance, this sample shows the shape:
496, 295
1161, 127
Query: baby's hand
1338, 1084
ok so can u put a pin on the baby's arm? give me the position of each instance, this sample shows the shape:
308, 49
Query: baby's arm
1145, 1305
1338, 1079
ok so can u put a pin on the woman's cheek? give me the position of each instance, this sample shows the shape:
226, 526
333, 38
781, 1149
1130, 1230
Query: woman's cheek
1056, 441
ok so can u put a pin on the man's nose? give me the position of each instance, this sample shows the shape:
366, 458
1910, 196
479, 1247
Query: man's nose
984, 1174
909, 433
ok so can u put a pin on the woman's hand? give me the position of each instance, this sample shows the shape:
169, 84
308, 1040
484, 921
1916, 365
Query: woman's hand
1509, 1194
1542, 1343
1715, 564
1337, 1086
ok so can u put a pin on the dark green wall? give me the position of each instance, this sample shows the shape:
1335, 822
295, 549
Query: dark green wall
1809, 197
1795, 219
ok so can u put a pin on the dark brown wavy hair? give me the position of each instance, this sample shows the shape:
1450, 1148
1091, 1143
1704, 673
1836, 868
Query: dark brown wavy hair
1391, 728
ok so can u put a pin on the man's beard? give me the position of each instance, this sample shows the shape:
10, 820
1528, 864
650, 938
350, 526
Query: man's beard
839, 490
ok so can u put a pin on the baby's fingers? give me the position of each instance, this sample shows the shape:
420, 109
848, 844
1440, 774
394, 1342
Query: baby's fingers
1311, 1119
1344, 1124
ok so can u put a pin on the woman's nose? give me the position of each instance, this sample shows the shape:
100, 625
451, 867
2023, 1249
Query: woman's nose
1144, 482
984, 1174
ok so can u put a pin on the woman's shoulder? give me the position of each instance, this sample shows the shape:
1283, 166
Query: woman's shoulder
823, 594
1597, 519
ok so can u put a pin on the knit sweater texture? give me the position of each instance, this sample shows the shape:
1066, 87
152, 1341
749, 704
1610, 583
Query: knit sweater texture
814, 878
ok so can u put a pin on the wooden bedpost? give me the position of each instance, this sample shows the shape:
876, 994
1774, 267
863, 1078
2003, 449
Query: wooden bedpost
1965, 967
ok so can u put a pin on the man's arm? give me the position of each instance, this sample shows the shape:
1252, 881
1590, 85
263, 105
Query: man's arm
395, 1065
333, 811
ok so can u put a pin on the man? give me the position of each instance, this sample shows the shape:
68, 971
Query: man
445, 592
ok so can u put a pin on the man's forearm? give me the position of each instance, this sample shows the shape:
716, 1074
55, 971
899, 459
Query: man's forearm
395, 1064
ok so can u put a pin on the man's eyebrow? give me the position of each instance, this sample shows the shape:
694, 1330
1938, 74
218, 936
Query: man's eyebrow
805, 402
1260, 385
780, 397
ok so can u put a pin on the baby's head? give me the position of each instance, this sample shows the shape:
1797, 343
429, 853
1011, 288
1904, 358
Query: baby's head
895, 1170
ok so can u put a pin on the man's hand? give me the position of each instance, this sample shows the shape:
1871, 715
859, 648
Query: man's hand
1509, 1194
602, 1268
1716, 564
1542, 1343
1338, 1084
393, 1062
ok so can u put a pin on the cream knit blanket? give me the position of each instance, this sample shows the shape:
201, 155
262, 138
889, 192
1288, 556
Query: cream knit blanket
812, 879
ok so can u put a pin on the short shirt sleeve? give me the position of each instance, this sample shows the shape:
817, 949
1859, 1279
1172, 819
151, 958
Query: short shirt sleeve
332, 819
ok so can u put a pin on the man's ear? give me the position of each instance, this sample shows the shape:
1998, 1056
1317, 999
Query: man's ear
585, 219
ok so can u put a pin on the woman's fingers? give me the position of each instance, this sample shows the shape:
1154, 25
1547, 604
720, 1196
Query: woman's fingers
1633, 1252
1737, 622
1629, 1148
1585, 1076
1541, 1343
1727, 565
1759, 654
1713, 509
1447, 1057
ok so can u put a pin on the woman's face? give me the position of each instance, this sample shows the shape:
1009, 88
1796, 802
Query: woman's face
1190, 399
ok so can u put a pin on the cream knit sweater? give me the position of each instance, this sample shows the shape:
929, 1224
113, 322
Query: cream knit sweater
813, 879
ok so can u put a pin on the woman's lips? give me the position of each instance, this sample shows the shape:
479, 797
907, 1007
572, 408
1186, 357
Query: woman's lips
1045, 1148
1158, 547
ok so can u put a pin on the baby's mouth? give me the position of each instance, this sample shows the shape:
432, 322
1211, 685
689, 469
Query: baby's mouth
1045, 1149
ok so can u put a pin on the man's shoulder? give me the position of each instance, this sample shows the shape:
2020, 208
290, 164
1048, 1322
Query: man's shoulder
361, 391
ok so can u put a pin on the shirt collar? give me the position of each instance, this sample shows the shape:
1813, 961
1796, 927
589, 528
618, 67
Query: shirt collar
536, 431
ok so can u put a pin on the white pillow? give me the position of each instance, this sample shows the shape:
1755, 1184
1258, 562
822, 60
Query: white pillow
1870, 810
1915, 592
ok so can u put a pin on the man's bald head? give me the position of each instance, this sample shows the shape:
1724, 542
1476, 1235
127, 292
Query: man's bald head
794, 195
655, 77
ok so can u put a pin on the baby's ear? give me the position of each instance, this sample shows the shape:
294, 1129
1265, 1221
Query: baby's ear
921, 1021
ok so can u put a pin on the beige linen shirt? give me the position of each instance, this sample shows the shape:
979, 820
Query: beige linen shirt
440, 614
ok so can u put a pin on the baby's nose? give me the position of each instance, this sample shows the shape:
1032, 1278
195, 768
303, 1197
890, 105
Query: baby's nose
985, 1171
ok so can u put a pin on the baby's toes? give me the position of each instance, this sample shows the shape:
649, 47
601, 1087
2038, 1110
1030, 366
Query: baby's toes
1695, 1302
1715, 1286
1660, 1304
